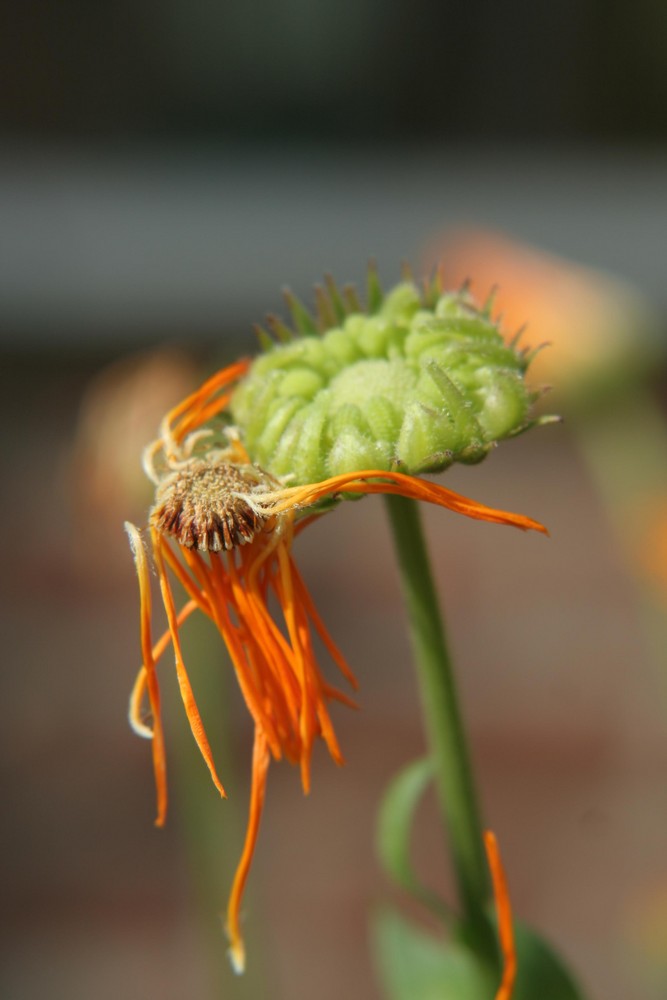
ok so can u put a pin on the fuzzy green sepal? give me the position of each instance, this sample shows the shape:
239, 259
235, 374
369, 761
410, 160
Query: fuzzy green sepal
419, 381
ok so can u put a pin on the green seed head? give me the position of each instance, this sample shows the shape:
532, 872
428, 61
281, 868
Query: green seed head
420, 379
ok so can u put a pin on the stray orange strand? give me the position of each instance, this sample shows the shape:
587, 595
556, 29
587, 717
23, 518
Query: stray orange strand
503, 906
159, 755
260, 767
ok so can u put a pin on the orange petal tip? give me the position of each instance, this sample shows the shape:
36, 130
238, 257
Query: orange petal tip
237, 957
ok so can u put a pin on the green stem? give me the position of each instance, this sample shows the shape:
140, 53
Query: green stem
453, 773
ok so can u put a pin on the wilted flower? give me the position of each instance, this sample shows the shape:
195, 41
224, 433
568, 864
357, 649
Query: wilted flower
355, 404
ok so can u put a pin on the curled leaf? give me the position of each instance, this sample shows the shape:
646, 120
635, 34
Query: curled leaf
394, 831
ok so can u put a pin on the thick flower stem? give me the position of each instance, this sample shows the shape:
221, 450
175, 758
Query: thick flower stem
453, 774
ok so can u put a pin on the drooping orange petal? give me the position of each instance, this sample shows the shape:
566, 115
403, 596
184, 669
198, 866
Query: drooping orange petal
159, 756
196, 590
412, 487
503, 906
307, 717
298, 608
192, 408
334, 694
215, 579
201, 415
306, 602
326, 729
260, 766
233, 637
266, 635
139, 688
191, 710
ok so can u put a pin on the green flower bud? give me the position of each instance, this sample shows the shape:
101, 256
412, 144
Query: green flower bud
418, 381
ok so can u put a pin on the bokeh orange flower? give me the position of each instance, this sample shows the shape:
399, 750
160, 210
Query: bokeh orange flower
596, 324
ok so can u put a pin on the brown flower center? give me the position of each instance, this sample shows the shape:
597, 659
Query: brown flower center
198, 506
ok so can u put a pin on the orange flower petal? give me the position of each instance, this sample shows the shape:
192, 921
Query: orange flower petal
159, 756
260, 767
139, 689
398, 483
505, 929
191, 710
199, 406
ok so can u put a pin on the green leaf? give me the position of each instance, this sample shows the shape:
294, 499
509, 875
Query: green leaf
413, 965
540, 972
394, 830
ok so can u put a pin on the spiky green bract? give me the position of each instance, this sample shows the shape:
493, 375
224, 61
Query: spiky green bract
420, 380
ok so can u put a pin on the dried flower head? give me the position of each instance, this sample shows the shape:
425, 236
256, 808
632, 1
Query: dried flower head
201, 505
308, 418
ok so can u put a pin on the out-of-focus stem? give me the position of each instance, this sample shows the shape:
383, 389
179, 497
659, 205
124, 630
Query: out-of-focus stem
625, 445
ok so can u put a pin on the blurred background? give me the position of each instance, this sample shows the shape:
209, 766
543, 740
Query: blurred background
165, 168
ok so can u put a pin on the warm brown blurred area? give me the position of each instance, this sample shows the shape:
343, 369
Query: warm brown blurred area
566, 709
